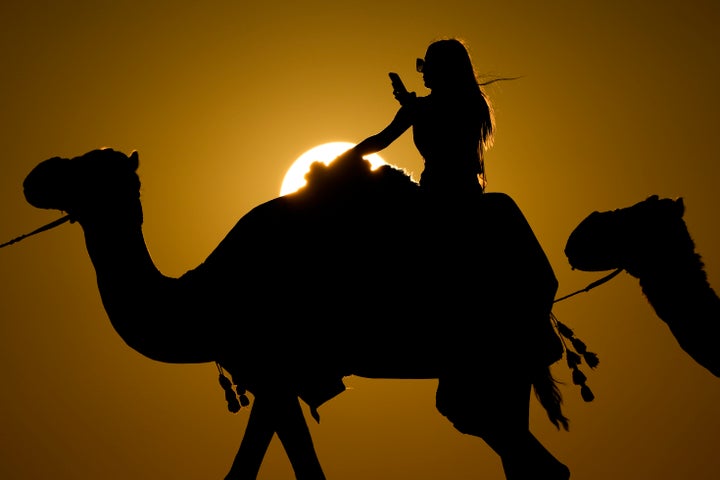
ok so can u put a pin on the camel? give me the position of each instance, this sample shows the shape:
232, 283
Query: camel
650, 240
283, 304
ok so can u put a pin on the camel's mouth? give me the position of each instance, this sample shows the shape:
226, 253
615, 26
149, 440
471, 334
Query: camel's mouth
588, 251
43, 186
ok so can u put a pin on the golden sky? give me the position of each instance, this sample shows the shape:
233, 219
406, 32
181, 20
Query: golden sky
617, 101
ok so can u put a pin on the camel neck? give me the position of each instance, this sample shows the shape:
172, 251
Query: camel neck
153, 313
118, 252
127, 278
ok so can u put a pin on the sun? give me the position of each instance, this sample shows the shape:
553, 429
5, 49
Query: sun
326, 153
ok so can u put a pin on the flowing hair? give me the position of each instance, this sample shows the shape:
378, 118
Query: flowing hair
454, 70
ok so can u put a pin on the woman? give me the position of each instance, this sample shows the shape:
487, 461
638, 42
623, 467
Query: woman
452, 126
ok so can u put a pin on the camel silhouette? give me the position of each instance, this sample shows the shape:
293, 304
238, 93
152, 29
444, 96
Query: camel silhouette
355, 274
650, 240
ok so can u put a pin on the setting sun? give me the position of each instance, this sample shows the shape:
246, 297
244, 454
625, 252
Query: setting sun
326, 153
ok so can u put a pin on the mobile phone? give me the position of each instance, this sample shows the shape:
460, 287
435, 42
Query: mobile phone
397, 84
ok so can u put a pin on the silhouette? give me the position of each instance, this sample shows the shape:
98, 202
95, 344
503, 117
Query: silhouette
452, 126
297, 296
650, 241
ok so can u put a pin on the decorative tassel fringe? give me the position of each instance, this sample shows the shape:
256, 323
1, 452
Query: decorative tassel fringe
236, 396
574, 357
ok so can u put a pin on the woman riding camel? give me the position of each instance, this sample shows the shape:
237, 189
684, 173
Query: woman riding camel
452, 128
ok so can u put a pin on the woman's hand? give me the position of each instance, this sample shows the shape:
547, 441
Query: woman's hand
347, 156
404, 97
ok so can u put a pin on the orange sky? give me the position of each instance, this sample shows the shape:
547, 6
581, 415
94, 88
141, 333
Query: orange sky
615, 103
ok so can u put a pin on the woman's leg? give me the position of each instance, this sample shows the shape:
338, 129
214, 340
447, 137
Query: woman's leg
496, 409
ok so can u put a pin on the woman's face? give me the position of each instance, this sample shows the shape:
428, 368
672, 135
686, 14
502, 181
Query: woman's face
427, 80
426, 68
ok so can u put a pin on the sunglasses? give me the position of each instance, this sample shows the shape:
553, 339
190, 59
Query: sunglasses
420, 64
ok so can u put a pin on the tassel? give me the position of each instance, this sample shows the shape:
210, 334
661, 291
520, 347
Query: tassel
230, 395
564, 330
575, 353
586, 393
578, 377
242, 393
578, 345
591, 359
573, 359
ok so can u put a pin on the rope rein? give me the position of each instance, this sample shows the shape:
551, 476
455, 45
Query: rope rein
50, 225
594, 284
575, 350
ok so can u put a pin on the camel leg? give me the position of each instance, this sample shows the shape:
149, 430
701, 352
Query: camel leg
294, 434
255, 442
276, 413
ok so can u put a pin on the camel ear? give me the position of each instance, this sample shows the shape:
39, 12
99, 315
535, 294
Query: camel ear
134, 159
680, 203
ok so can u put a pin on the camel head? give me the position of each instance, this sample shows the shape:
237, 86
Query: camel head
91, 183
629, 238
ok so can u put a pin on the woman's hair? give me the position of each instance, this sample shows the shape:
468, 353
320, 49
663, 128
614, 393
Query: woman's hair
452, 67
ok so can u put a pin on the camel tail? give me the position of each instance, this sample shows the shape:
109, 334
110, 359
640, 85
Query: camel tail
550, 397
